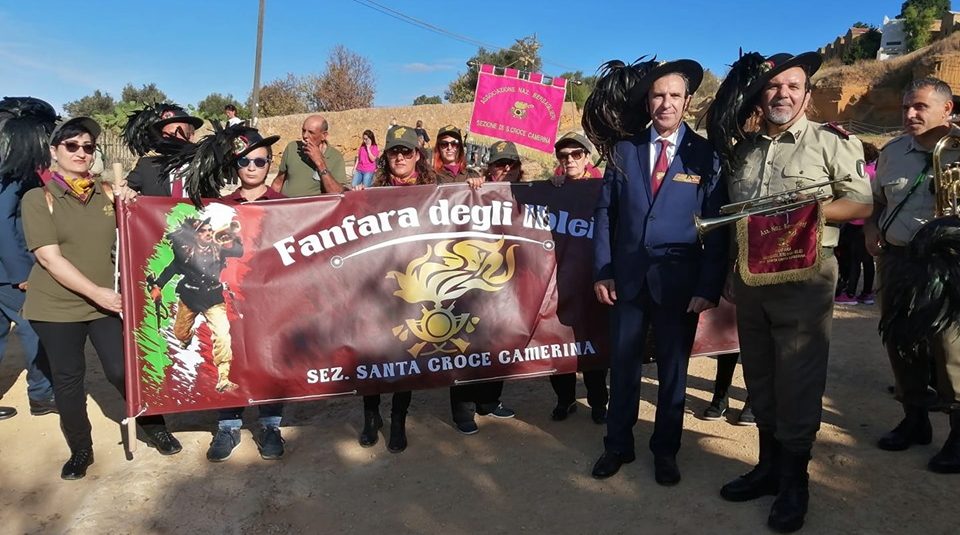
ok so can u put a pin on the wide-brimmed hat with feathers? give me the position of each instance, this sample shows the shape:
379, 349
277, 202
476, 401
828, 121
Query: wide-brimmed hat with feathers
616, 109
737, 97
143, 131
210, 164
25, 127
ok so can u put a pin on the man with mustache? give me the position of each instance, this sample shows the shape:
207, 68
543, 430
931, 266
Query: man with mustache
784, 315
903, 203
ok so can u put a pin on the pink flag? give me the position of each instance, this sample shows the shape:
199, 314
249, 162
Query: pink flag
526, 112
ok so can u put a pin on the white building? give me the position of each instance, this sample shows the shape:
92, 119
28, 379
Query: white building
892, 40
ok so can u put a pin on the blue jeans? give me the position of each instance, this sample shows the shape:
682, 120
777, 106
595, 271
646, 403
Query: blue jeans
232, 419
38, 380
360, 177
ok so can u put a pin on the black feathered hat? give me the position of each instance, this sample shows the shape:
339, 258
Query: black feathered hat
208, 165
737, 96
25, 127
616, 109
143, 131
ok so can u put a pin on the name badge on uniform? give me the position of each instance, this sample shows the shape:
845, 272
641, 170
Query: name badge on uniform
689, 179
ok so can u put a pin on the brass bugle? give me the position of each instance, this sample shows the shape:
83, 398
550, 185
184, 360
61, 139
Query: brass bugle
711, 223
770, 200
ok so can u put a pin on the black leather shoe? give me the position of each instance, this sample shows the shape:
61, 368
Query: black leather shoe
372, 422
561, 411
7, 412
163, 441
947, 460
42, 406
599, 415
790, 508
398, 433
915, 428
665, 470
76, 466
609, 464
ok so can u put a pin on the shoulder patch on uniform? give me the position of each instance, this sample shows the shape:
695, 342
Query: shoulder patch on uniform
839, 130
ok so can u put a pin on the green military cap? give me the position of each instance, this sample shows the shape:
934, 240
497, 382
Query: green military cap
401, 136
450, 130
573, 138
504, 150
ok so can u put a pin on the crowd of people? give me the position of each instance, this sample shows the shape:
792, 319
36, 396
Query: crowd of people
654, 266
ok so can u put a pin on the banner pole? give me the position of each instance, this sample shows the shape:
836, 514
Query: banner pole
575, 81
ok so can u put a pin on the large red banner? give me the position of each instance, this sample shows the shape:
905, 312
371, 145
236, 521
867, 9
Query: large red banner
524, 111
372, 291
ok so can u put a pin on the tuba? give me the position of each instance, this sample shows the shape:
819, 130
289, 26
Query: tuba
946, 178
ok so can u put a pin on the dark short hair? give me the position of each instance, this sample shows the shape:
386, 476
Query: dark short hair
230, 107
938, 86
68, 131
870, 152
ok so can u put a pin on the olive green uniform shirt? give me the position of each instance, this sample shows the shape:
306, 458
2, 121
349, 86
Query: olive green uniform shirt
805, 154
85, 234
901, 161
302, 179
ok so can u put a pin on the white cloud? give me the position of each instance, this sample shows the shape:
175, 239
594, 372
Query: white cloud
426, 67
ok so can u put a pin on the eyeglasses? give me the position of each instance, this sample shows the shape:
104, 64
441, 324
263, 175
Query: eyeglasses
576, 154
259, 162
204, 230
73, 146
503, 163
406, 152
444, 144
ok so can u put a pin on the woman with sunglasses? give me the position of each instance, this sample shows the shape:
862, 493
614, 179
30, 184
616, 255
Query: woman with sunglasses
449, 156
504, 165
403, 163
366, 162
573, 156
250, 161
70, 226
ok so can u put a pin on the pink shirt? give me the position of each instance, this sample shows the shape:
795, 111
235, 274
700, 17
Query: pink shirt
364, 163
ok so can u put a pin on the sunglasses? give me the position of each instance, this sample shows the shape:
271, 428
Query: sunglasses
503, 163
259, 162
204, 230
73, 146
406, 152
576, 154
445, 144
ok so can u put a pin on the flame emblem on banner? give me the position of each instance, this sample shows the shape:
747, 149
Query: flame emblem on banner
448, 270
519, 109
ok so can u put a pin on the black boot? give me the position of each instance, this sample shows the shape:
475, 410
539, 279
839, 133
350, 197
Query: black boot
790, 507
915, 428
398, 433
76, 466
948, 460
763, 480
372, 422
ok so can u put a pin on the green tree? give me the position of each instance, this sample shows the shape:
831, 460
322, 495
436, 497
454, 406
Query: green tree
861, 25
424, 99
864, 47
524, 55
96, 103
916, 26
146, 94
211, 107
939, 6
578, 93
283, 96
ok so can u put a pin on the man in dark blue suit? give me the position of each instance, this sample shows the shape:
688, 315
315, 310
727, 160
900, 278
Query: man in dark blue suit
650, 264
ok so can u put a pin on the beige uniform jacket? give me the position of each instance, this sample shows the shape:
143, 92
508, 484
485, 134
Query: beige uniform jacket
805, 154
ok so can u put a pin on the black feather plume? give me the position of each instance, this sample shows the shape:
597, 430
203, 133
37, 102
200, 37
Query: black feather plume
25, 127
729, 110
137, 134
608, 114
922, 289
207, 166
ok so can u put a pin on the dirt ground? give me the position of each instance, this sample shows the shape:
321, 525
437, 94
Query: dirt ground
528, 474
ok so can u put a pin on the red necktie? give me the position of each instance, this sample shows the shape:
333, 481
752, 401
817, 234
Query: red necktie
660, 169
176, 188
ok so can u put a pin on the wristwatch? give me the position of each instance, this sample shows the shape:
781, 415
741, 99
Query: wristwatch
322, 172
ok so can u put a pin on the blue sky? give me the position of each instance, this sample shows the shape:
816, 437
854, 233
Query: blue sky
61, 50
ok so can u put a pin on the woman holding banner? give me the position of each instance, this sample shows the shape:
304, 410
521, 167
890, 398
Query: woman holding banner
449, 156
403, 163
70, 226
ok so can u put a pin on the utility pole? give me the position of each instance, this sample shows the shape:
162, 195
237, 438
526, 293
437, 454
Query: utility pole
255, 105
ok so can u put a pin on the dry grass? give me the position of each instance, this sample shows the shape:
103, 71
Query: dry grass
895, 73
